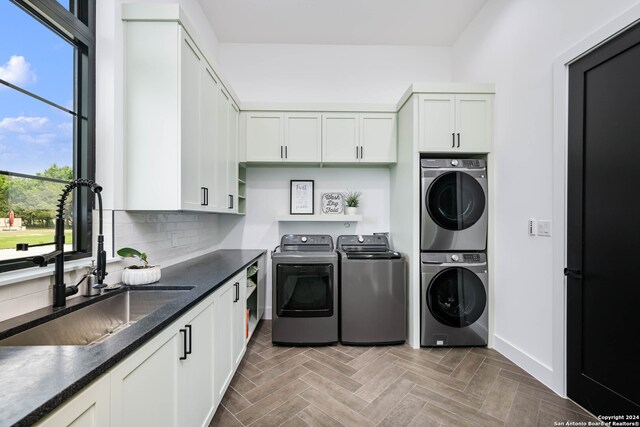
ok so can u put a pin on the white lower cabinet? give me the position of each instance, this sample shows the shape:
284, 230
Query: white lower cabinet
229, 333
197, 400
168, 381
176, 379
240, 319
90, 408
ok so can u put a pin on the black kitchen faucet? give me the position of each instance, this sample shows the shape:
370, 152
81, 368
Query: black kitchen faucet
60, 290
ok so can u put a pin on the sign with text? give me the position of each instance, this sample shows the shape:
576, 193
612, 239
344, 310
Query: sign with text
301, 197
332, 203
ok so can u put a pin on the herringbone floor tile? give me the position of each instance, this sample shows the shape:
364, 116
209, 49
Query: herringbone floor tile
385, 386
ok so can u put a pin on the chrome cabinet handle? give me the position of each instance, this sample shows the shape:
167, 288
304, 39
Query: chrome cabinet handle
286, 152
357, 153
281, 152
453, 140
458, 140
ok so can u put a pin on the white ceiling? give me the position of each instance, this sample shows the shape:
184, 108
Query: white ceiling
352, 22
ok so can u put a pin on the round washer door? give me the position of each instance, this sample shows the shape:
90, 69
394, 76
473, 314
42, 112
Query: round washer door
456, 297
455, 200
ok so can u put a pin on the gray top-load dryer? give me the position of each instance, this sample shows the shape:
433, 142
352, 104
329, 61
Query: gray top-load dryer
372, 291
305, 291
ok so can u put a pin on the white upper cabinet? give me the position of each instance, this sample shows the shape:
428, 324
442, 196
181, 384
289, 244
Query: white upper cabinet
232, 159
455, 123
359, 138
303, 137
340, 138
283, 137
192, 144
378, 138
180, 133
265, 137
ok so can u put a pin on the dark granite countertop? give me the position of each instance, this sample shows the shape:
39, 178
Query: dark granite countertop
36, 380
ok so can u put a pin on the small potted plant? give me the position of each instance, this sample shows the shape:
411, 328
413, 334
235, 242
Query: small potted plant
138, 274
352, 200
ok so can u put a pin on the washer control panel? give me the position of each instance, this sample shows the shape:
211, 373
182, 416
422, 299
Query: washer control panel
452, 164
453, 258
302, 242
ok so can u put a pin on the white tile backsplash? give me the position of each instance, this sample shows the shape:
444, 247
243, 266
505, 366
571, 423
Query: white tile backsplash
166, 237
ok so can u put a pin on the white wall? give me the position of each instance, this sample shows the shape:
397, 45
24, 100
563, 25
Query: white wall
514, 44
268, 198
329, 73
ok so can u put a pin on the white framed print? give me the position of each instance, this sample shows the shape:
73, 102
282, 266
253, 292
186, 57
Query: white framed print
301, 197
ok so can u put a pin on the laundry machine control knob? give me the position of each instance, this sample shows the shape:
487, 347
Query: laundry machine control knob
455, 258
454, 162
360, 239
304, 239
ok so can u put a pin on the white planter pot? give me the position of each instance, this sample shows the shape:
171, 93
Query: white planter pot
350, 211
141, 276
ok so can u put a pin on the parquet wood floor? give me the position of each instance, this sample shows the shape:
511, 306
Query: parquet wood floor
385, 386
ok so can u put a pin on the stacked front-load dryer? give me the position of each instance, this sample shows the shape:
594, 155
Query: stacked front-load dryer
453, 242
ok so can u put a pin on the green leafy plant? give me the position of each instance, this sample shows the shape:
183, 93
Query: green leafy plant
352, 198
133, 253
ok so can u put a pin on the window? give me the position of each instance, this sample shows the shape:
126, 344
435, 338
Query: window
47, 86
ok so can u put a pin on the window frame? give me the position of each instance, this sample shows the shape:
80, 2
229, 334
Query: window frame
77, 26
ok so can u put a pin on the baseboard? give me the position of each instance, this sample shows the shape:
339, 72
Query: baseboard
537, 369
267, 313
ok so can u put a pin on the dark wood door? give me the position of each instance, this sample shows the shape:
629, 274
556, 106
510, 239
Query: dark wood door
603, 228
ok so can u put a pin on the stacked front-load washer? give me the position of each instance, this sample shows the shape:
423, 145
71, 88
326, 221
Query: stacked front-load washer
453, 231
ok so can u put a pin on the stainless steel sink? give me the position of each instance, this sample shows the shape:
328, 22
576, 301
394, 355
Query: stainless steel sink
97, 322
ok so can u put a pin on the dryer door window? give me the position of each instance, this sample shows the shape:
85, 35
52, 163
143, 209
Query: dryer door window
455, 200
456, 297
304, 290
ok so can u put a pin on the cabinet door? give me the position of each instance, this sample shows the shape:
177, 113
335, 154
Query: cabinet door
221, 195
223, 339
437, 123
232, 159
145, 386
209, 133
340, 138
90, 408
265, 137
262, 285
378, 140
192, 196
474, 122
196, 371
303, 137
239, 319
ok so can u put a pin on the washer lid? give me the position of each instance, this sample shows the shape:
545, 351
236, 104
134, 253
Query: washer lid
456, 297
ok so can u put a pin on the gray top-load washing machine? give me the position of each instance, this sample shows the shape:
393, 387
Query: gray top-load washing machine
372, 291
454, 299
305, 291
454, 205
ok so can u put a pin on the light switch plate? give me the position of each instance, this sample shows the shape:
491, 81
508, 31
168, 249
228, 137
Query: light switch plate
544, 228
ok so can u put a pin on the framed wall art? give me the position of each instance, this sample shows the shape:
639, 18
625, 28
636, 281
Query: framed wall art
301, 197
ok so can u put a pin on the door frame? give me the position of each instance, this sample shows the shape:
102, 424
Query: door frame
559, 194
